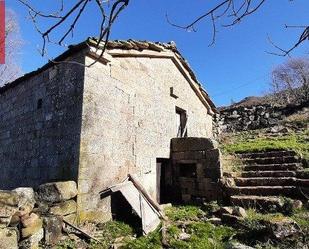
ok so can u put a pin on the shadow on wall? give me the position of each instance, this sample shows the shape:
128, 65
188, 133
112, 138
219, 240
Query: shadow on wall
42, 119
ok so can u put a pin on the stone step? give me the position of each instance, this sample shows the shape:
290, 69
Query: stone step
290, 191
275, 173
273, 167
279, 153
272, 160
265, 181
303, 182
264, 203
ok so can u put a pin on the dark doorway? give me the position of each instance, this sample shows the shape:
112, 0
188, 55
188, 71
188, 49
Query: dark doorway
164, 180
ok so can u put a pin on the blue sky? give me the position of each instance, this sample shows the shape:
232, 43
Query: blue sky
236, 66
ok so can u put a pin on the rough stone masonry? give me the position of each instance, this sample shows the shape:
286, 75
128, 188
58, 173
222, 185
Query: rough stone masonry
95, 125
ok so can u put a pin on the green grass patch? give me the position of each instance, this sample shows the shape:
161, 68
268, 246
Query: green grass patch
244, 142
254, 215
110, 231
151, 241
67, 244
203, 235
181, 213
302, 219
300, 216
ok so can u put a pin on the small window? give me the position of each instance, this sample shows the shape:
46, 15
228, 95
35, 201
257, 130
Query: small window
39, 104
181, 122
187, 170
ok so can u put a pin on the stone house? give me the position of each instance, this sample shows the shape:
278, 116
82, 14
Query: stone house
94, 125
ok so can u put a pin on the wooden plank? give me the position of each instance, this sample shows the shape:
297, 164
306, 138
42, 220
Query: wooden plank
144, 192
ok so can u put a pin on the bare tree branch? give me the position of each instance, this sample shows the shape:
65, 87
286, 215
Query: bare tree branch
225, 8
286, 52
66, 18
234, 12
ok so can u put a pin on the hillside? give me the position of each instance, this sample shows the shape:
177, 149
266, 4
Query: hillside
247, 102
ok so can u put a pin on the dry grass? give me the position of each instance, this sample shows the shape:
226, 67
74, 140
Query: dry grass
231, 164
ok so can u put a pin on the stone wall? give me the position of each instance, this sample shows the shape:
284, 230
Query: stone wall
95, 125
129, 119
251, 118
40, 120
196, 169
28, 218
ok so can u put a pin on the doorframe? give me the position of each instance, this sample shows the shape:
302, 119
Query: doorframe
160, 162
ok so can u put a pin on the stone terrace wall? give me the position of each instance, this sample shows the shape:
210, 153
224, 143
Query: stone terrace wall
40, 120
251, 118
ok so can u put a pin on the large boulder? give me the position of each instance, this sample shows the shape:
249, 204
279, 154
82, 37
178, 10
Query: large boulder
57, 191
14, 204
8, 238
26, 200
240, 212
9, 198
53, 229
29, 220
282, 228
225, 210
32, 229
9, 202
64, 208
25, 194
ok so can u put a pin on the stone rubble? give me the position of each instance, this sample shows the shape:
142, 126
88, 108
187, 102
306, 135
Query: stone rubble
28, 218
283, 228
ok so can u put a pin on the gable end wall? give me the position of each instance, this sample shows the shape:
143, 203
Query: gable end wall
129, 119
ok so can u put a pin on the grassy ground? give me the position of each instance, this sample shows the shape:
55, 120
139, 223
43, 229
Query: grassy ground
203, 235
296, 139
254, 141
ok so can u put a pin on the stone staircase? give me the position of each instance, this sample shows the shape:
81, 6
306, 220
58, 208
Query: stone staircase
266, 176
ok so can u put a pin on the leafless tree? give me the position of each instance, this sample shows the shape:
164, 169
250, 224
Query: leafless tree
64, 20
67, 16
290, 82
11, 70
